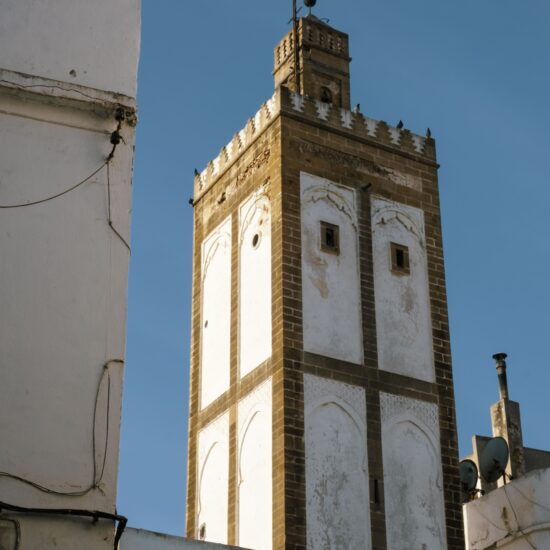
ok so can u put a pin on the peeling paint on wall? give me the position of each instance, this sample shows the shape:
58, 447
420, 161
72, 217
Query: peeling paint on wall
413, 479
254, 281
216, 313
403, 319
330, 281
337, 494
254, 476
213, 475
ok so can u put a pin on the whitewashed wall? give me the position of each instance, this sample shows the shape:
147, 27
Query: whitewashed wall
254, 476
139, 539
413, 479
63, 269
254, 281
213, 476
337, 489
216, 313
403, 319
93, 44
515, 516
330, 282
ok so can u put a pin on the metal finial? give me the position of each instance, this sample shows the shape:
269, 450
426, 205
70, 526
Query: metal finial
500, 359
309, 4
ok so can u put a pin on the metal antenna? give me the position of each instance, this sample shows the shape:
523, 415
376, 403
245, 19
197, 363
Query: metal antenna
295, 38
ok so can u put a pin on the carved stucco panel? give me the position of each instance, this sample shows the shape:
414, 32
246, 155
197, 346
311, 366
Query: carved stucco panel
337, 494
413, 479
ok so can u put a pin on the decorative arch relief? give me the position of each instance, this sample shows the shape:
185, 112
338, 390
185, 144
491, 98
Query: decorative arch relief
402, 300
215, 313
337, 488
254, 281
413, 478
213, 481
255, 472
330, 270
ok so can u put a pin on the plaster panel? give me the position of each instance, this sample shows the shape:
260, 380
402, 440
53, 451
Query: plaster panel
330, 281
337, 494
254, 281
413, 479
403, 319
254, 476
216, 313
515, 516
63, 283
94, 44
213, 476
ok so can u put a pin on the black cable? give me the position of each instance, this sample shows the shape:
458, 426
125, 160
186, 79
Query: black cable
17, 528
95, 479
109, 208
105, 163
95, 515
517, 520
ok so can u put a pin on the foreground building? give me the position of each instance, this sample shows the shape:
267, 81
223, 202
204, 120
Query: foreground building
513, 512
322, 410
67, 125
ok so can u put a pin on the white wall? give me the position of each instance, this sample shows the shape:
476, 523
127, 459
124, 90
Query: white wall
403, 319
413, 479
91, 43
216, 313
515, 516
337, 490
63, 269
254, 281
139, 539
330, 282
213, 476
254, 462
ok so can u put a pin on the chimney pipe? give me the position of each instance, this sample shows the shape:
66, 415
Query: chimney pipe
501, 371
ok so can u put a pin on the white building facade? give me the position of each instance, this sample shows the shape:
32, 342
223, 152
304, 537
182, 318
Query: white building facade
68, 76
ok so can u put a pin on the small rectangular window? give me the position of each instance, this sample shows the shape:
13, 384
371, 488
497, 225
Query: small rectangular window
399, 258
330, 238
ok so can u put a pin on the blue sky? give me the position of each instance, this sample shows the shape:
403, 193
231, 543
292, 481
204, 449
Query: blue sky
475, 72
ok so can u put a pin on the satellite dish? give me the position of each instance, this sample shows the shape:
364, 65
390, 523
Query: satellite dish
468, 475
493, 459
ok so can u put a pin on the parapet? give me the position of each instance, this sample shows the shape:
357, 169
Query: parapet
347, 123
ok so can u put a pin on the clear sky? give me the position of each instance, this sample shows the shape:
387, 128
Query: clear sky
476, 72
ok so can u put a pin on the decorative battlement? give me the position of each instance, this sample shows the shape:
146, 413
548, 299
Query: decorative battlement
354, 124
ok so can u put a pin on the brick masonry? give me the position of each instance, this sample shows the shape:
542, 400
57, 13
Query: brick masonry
289, 141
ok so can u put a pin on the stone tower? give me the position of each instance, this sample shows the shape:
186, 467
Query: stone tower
322, 409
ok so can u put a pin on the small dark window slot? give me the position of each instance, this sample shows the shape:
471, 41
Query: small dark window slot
399, 254
330, 238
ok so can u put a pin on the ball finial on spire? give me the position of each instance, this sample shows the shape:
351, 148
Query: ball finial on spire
309, 4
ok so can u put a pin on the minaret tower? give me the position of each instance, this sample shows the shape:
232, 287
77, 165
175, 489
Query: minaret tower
321, 405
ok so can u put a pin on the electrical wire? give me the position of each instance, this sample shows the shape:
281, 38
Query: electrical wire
51, 86
17, 528
82, 182
520, 530
513, 485
95, 515
96, 480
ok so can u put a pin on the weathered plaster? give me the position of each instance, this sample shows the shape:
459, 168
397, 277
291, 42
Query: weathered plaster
403, 319
413, 484
139, 539
337, 494
515, 516
216, 313
254, 475
38, 38
330, 282
254, 281
213, 476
